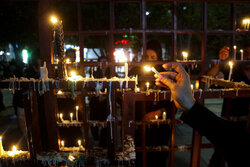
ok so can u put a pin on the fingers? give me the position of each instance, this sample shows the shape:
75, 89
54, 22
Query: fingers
160, 84
171, 75
176, 66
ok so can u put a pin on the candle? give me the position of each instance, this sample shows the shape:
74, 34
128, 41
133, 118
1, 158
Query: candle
53, 19
79, 143
241, 55
57, 61
147, 85
67, 61
138, 89
164, 116
156, 117
235, 47
61, 117
1, 147
231, 70
13, 152
59, 92
148, 69
192, 86
197, 84
77, 108
185, 56
71, 117
126, 70
62, 143
246, 22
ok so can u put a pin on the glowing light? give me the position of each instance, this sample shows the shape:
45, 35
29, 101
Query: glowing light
77, 108
197, 84
138, 89
61, 116
62, 143
1, 53
79, 142
156, 117
59, 92
147, 84
246, 23
147, 68
185, 55
230, 63
68, 61
147, 13
53, 20
241, 51
120, 56
73, 74
71, 116
192, 86
25, 56
1, 138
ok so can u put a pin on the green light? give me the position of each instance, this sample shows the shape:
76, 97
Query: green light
132, 36
125, 36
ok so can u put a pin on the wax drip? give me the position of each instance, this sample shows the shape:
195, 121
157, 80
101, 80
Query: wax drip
110, 117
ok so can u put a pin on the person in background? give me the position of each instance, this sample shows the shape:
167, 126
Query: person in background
231, 138
154, 135
233, 107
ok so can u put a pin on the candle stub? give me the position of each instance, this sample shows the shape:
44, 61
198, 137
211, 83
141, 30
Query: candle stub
164, 116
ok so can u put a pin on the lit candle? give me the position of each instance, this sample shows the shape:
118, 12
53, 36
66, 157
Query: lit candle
62, 143
67, 61
71, 117
147, 85
164, 116
148, 69
61, 117
79, 143
241, 55
197, 84
59, 92
235, 47
138, 89
156, 117
1, 147
246, 22
185, 56
57, 61
126, 70
192, 87
231, 70
77, 108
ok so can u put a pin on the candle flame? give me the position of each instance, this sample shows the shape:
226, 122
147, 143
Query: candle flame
77, 108
14, 149
241, 50
79, 142
192, 86
147, 68
71, 114
185, 54
246, 21
61, 115
1, 138
147, 84
73, 74
59, 92
230, 64
62, 143
197, 84
138, 89
235, 47
53, 20
156, 117
67, 61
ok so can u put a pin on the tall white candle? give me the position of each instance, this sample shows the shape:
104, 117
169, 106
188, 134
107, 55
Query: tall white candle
231, 70
164, 116
235, 47
71, 117
241, 54
126, 70
77, 108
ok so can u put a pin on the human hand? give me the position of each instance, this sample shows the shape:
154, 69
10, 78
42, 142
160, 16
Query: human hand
224, 53
151, 115
179, 85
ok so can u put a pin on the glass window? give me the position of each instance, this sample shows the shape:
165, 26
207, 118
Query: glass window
242, 12
190, 43
159, 15
166, 43
95, 16
95, 47
218, 16
189, 15
67, 12
127, 15
214, 44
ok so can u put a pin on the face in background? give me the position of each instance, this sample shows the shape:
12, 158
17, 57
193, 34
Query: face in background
151, 55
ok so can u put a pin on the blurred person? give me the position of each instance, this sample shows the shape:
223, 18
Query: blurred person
231, 138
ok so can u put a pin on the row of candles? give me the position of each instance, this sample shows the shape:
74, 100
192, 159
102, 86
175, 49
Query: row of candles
79, 142
185, 54
71, 115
